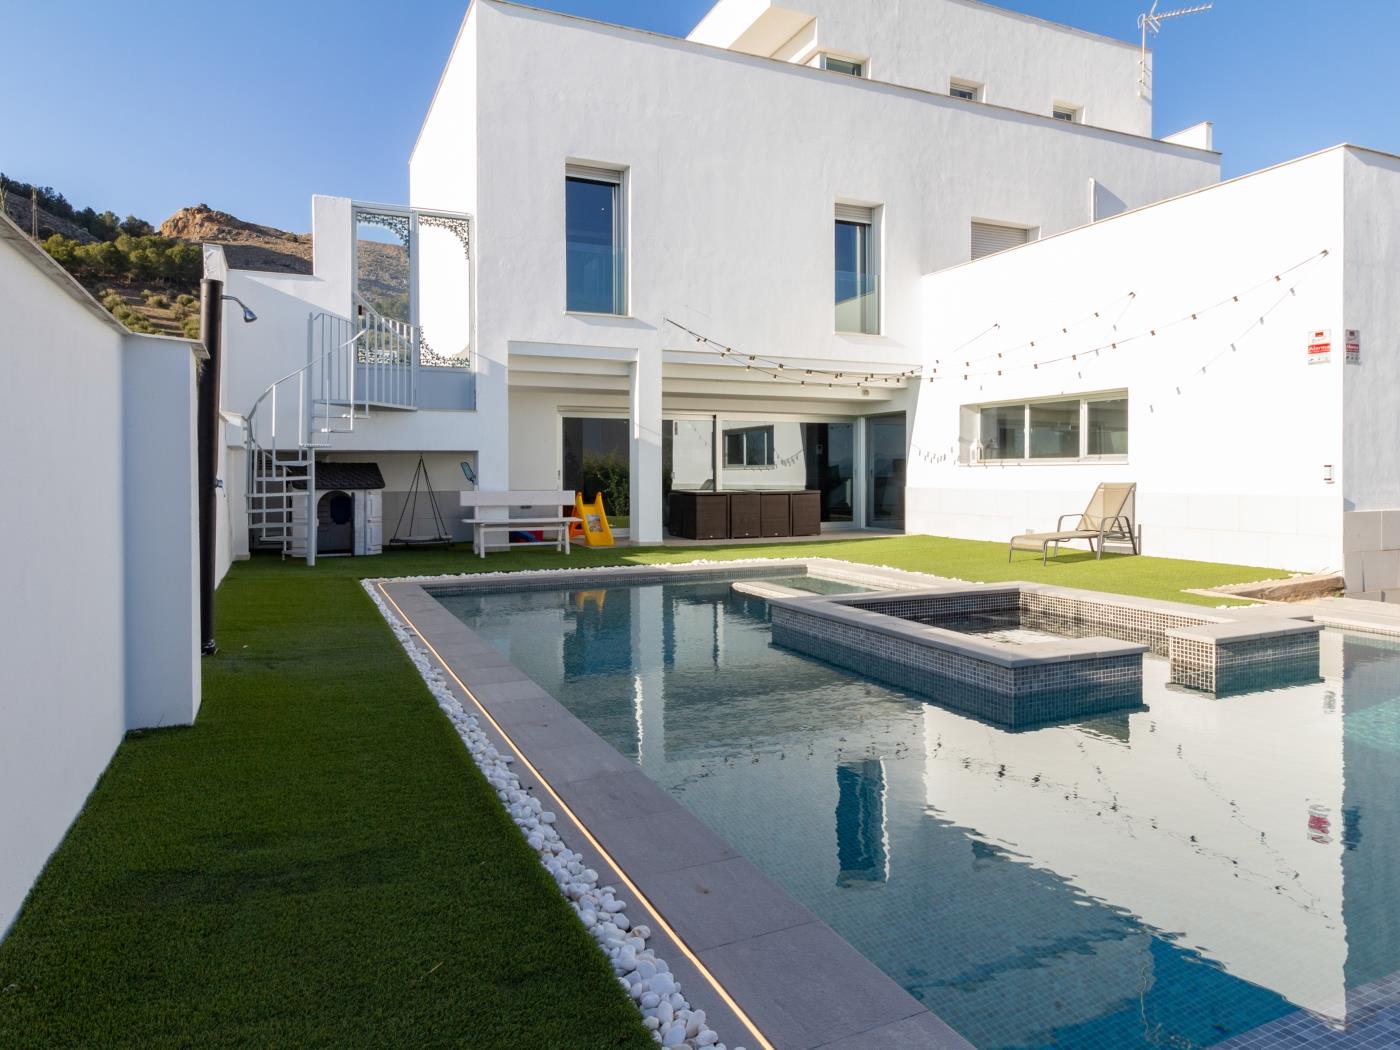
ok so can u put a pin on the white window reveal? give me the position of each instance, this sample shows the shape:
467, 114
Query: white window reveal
965, 89
1066, 113
850, 66
988, 238
596, 240
1092, 427
748, 446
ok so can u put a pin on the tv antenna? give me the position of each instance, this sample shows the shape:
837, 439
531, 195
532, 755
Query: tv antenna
1152, 20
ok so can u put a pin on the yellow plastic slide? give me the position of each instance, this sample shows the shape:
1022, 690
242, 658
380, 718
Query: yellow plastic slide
593, 521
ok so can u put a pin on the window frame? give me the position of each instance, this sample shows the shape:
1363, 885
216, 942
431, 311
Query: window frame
743, 434
846, 213
862, 66
1073, 114
1026, 459
974, 89
609, 176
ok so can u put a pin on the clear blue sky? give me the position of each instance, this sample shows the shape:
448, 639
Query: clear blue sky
314, 96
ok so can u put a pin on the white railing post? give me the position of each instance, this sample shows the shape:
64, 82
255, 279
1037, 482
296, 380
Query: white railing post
311, 507
415, 346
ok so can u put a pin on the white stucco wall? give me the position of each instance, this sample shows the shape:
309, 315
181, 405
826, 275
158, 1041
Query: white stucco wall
1372, 266
98, 609
62, 707
1022, 62
1229, 470
160, 479
443, 174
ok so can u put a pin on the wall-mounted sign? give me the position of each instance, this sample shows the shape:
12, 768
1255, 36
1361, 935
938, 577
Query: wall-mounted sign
1353, 350
1320, 347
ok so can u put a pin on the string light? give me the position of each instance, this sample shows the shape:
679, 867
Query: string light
1127, 298
1150, 333
775, 369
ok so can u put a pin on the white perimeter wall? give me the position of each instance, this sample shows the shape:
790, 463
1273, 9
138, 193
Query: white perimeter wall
1230, 469
99, 605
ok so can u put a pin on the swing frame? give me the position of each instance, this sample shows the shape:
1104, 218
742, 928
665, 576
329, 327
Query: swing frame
421, 481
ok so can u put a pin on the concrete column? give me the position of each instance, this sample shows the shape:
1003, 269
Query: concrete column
646, 446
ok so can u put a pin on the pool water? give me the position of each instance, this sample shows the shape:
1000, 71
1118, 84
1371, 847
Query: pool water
1173, 877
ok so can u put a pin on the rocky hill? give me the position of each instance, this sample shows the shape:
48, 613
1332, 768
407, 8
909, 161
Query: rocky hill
257, 247
383, 268
22, 212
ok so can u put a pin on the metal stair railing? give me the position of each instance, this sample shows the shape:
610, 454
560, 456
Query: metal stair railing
330, 397
388, 357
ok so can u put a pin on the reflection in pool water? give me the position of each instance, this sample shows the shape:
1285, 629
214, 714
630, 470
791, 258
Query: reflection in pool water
1170, 877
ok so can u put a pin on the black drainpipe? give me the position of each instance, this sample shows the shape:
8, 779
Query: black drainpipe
211, 302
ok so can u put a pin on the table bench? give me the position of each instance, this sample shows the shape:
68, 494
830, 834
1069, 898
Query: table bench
503, 502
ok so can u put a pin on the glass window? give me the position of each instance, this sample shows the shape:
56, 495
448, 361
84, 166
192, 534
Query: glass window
748, 447
1055, 430
886, 457
1065, 113
1050, 429
593, 229
1004, 432
964, 89
857, 290
843, 65
1108, 427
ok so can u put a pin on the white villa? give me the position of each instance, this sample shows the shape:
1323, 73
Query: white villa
755, 260
926, 261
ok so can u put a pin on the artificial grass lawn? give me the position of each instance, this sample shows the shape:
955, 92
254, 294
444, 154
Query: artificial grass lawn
317, 862
971, 560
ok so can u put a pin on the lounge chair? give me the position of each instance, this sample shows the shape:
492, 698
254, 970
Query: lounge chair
1109, 516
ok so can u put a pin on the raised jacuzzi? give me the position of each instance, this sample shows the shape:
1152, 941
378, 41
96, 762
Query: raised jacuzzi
1023, 655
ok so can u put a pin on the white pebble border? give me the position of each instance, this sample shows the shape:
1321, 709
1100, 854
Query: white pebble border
666, 1013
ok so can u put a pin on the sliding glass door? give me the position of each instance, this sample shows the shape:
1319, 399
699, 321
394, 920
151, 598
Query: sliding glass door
597, 460
886, 457
831, 468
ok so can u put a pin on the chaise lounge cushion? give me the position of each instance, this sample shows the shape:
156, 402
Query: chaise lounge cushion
1036, 540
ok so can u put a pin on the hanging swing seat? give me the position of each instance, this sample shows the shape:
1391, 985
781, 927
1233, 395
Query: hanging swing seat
439, 534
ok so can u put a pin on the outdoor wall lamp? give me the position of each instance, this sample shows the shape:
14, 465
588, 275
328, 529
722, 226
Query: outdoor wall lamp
248, 316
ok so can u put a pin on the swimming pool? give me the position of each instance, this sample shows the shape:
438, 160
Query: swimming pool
1177, 876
